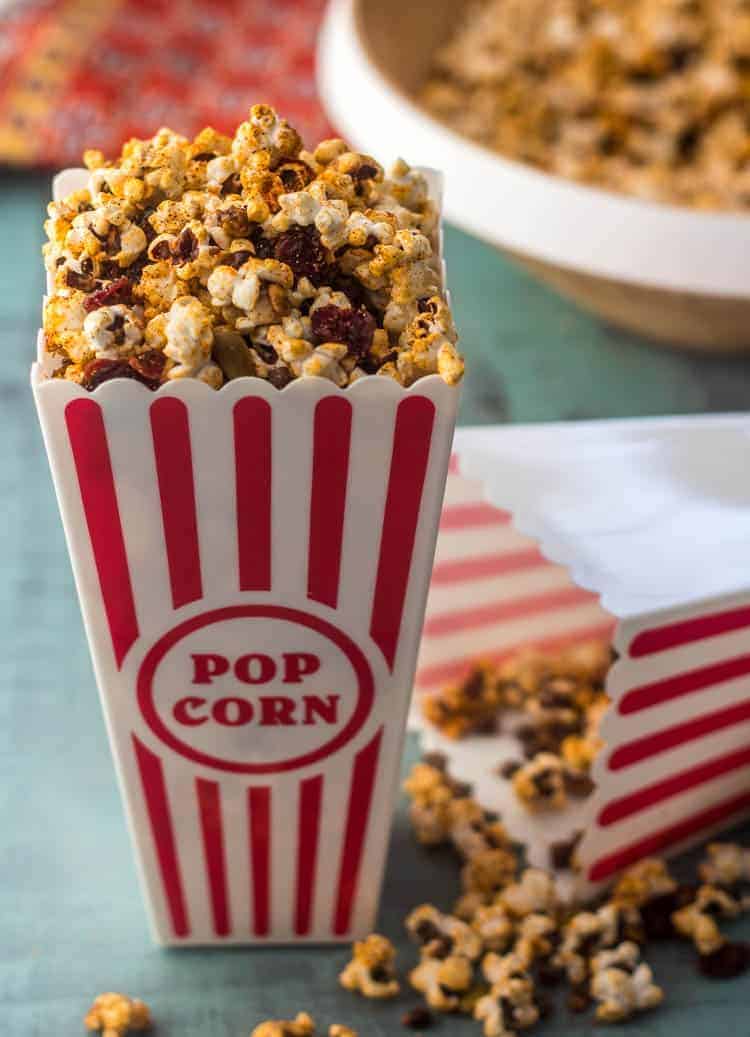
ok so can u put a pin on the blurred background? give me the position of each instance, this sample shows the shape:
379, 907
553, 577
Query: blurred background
77, 73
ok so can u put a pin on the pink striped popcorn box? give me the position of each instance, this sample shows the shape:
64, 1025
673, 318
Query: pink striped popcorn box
252, 567
553, 535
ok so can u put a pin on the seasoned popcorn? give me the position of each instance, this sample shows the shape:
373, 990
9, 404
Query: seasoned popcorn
489, 873
371, 971
540, 783
561, 699
494, 926
430, 808
697, 921
622, 985
444, 982
247, 256
647, 97
115, 1015
510, 1006
301, 1026
726, 865
534, 893
441, 935
588, 932
643, 882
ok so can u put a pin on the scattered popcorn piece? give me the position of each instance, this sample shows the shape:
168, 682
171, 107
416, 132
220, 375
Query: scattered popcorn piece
698, 920
726, 865
443, 981
509, 1006
622, 985
301, 1026
116, 1015
441, 935
494, 926
371, 971
534, 893
489, 873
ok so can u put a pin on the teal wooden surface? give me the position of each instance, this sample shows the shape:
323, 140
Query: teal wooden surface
71, 920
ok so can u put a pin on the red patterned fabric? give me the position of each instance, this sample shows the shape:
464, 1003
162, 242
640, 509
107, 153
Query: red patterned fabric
91, 73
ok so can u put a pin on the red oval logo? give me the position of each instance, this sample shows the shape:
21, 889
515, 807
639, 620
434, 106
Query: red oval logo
255, 689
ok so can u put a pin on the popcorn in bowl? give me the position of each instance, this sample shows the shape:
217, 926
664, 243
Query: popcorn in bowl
645, 97
223, 257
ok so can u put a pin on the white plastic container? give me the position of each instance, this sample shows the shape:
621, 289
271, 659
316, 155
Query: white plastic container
654, 516
252, 567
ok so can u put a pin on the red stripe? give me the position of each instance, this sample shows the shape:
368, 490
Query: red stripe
174, 469
209, 806
665, 837
357, 815
259, 810
463, 516
311, 793
333, 425
409, 459
669, 738
88, 442
649, 695
162, 833
252, 448
501, 611
671, 635
482, 567
442, 673
626, 806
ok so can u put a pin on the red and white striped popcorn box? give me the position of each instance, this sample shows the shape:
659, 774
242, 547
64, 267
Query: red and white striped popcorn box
252, 566
557, 534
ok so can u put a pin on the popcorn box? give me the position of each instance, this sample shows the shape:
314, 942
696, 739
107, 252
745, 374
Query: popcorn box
558, 534
252, 566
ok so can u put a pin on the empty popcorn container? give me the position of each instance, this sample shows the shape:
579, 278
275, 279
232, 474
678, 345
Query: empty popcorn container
252, 566
553, 536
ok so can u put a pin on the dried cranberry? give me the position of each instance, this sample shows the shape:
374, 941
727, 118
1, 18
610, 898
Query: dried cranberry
353, 289
731, 960
264, 249
656, 915
303, 252
355, 328
96, 372
185, 249
150, 365
118, 292
419, 1018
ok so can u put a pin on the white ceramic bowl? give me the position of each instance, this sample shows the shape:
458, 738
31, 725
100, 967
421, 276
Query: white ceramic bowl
673, 274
